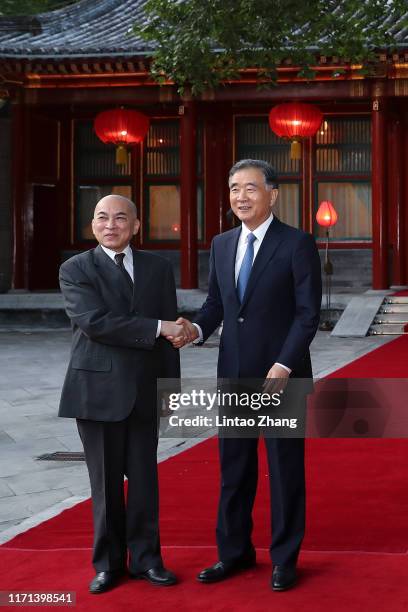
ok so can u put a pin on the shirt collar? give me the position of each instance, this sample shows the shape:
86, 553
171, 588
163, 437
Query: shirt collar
127, 251
259, 232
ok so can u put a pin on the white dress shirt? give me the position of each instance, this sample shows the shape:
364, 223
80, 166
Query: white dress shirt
259, 234
127, 260
128, 263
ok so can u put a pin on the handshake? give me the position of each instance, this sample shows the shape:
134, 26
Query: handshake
180, 332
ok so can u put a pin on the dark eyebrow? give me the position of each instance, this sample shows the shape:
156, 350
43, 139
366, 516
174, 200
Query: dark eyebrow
246, 185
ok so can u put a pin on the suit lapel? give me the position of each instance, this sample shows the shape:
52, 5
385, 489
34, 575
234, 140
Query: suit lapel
266, 252
112, 274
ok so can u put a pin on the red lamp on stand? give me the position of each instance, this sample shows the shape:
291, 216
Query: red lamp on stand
326, 216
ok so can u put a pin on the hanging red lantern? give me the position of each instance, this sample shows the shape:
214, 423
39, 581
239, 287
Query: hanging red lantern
295, 120
121, 127
326, 215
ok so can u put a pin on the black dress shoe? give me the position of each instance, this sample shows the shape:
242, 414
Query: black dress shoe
158, 576
283, 577
104, 581
221, 570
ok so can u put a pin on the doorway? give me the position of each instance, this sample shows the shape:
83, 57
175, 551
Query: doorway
45, 257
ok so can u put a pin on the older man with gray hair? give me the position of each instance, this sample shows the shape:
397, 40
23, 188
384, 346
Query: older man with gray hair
265, 285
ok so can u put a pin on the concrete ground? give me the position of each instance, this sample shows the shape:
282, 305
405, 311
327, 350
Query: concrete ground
32, 368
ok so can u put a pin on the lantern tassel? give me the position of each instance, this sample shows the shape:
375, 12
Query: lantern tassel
295, 150
121, 155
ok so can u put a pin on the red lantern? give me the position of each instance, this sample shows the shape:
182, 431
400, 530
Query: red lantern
294, 121
326, 215
121, 127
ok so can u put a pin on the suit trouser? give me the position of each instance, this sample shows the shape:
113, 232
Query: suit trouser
239, 474
113, 450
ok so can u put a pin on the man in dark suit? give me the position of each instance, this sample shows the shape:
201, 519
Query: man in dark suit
265, 285
121, 302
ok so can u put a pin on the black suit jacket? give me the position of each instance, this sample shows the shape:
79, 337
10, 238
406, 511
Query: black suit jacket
279, 315
116, 357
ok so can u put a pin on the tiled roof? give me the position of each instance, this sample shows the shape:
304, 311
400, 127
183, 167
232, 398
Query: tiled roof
93, 28
89, 28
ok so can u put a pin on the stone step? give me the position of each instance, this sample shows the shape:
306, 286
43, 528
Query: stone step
386, 330
396, 300
50, 318
391, 318
359, 314
393, 309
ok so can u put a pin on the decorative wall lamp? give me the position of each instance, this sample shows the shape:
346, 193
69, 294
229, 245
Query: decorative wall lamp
326, 216
3, 97
121, 127
5, 93
294, 121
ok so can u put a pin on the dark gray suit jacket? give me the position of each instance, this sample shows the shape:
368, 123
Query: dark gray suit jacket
116, 357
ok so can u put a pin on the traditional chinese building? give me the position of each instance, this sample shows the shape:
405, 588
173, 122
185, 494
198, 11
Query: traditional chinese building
58, 70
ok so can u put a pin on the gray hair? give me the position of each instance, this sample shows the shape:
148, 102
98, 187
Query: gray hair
270, 176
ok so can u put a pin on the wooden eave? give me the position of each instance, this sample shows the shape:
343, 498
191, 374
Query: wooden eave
52, 74
49, 73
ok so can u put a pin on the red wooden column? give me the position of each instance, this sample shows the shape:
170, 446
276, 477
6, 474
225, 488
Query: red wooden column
307, 191
395, 199
218, 168
379, 195
404, 199
19, 195
188, 196
215, 179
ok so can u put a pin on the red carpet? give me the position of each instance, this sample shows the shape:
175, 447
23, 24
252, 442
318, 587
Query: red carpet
327, 583
354, 556
388, 361
402, 293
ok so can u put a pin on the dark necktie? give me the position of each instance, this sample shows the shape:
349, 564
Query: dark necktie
246, 267
119, 257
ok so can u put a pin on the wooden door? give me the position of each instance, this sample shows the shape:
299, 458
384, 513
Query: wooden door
45, 258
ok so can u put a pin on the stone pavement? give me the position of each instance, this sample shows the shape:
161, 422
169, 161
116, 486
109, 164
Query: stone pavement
32, 368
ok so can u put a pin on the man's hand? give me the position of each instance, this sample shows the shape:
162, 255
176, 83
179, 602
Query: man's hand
190, 330
190, 333
179, 333
276, 379
170, 330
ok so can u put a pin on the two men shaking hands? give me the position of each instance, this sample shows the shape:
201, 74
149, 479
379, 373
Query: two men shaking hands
179, 332
265, 287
